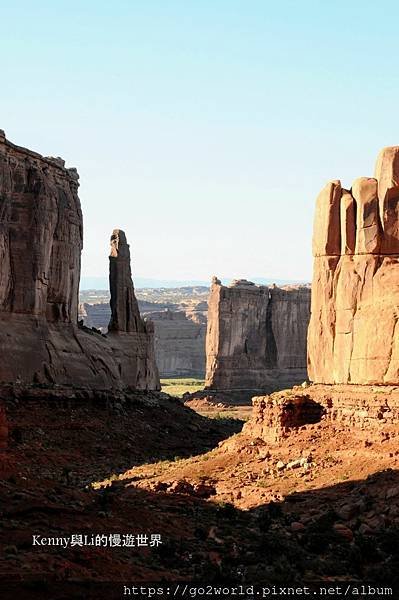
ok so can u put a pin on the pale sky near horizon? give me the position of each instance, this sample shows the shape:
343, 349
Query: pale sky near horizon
205, 129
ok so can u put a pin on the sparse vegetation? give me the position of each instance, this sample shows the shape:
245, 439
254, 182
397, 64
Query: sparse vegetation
178, 387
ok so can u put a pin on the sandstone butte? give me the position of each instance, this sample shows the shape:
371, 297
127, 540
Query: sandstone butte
256, 336
353, 334
41, 237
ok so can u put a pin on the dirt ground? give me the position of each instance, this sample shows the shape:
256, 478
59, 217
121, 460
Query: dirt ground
323, 504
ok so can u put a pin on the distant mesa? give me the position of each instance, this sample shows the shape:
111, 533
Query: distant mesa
41, 236
242, 283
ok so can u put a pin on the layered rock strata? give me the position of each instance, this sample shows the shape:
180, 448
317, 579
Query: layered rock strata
354, 332
369, 408
40, 248
256, 336
276, 415
180, 343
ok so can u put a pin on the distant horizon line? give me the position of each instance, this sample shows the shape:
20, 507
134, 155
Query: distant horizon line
99, 283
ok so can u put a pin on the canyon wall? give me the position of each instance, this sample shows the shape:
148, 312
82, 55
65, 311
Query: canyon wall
40, 247
256, 336
96, 315
180, 343
179, 335
354, 332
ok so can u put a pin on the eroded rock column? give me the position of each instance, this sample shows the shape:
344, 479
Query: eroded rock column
353, 334
125, 314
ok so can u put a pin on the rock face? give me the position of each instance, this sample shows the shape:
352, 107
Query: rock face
256, 336
179, 334
276, 415
130, 336
40, 248
354, 333
125, 315
180, 343
95, 315
3, 429
367, 408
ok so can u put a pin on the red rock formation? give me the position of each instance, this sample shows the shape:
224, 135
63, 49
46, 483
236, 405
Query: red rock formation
131, 338
40, 248
256, 337
275, 415
368, 408
180, 343
125, 315
40, 235
353, 335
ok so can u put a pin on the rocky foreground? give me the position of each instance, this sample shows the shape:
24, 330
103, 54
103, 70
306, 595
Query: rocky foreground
53, 457
320, 503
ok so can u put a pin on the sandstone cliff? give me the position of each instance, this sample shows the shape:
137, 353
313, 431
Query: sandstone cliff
256, 336
180, 343
354, 333
40, 248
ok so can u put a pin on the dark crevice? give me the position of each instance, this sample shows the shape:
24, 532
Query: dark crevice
271, 347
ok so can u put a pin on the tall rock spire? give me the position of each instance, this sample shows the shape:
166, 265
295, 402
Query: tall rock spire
125, 315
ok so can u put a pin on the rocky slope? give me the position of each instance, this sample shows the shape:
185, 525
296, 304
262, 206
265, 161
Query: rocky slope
321, 504
323, 501
46, 471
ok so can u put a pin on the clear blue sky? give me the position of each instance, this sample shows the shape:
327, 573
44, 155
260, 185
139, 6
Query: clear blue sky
203, 128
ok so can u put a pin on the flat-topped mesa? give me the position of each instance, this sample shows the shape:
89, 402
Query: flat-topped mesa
353, 334
40, 248
256, 337
125, 314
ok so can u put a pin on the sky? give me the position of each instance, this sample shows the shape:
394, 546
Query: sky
203, 128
